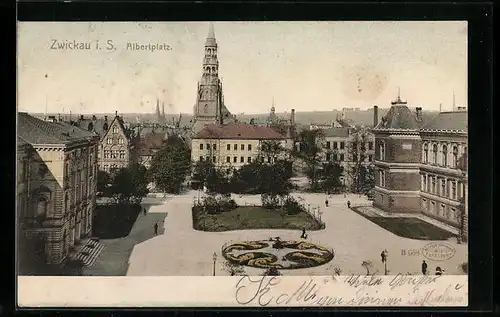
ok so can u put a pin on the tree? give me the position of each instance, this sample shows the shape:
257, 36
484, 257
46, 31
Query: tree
103, 179
330, 176
357, 168
129, 185
201, 170
170, 165
310, 153
217, 181
246, 179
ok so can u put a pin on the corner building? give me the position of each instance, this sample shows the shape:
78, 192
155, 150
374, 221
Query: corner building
397, 162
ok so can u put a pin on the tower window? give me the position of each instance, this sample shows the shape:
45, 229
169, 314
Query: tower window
229, 147
228, 159
201, 146
242, 159
235, 159
235, 147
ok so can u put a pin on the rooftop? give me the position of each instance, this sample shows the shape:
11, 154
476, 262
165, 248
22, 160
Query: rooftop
336, 132
448, 121
399, 117
237, 130
37, 131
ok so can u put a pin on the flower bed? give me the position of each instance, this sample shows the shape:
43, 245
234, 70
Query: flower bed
264, 254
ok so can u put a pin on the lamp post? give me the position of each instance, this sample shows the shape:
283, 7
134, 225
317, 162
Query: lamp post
214, 256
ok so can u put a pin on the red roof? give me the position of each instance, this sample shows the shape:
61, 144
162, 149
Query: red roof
237, 130
150, 142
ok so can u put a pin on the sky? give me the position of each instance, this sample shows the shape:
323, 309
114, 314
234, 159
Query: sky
307, 66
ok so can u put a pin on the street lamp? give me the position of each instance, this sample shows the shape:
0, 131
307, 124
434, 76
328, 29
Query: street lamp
214, 256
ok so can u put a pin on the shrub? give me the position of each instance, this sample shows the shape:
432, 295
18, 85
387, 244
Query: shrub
292, 206
269, 201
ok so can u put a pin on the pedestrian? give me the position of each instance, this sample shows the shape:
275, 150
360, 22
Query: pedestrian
156, 228
424, 268
349, 204
145, 211
326, 202
303, 235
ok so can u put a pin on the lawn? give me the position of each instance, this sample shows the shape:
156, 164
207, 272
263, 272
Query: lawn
253, 217
412, 228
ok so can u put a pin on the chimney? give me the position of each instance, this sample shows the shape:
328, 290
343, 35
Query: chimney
419, 113
116, 113
292, 117
375, 116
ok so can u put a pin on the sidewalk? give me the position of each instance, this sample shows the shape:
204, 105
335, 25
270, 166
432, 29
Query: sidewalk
371, 211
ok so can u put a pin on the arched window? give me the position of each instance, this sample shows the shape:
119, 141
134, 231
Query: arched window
208, 70
213, 70
209, 51
444, 155
435, 154
455, 156
41, 208
382, 151
426, 153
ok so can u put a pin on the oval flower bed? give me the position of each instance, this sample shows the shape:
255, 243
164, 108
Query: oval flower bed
265, 254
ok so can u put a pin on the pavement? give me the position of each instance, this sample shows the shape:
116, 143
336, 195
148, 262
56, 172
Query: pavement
183, 251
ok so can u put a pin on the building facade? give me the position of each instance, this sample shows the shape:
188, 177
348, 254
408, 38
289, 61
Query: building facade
235, 144
210, 107
422, 168
56, 199
443, 169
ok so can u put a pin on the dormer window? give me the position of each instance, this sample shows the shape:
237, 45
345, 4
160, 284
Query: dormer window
115, 129
110, 141
120, 141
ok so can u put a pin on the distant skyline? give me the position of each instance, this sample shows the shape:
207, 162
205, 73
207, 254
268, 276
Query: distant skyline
308, 66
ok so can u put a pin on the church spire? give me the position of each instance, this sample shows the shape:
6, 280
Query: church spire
158, 109
211, 36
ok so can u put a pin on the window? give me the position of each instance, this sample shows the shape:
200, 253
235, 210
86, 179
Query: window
249, 147
114, 154
424, 183
453, 190
207, 158
122, 154
242, 147
443, 187
201, 158
433, 185
444, 155
328, 144
201, 146
370, 145
106, 154
381, 178
228, 147
341, 157
334, 145
435, 154
328, 156
370, 157
382, 151
268, 159
242, 159
214, 147
214, 159
109, 141
235, 147
235, 159
228, 159
335, 157
106, 167
425, 159
249, 159
342, 145
120, 141
455, 156
115, 129
41, 208
208, 146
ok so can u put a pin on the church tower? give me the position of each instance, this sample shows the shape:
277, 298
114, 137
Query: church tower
209, 107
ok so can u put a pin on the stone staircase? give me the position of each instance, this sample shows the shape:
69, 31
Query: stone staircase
89, 252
